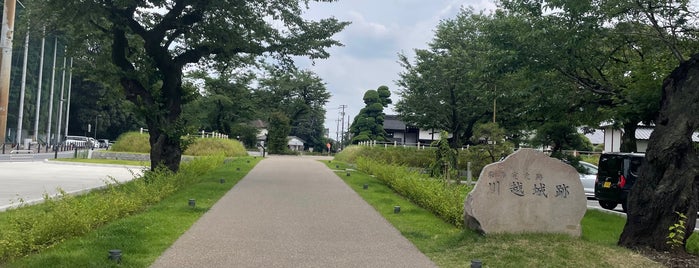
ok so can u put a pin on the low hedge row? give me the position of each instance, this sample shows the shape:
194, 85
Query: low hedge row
445, 200
29, 229
413, 157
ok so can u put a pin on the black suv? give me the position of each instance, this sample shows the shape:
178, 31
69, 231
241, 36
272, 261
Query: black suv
616, 175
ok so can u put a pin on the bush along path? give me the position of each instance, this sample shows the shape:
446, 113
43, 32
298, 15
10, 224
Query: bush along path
141, 218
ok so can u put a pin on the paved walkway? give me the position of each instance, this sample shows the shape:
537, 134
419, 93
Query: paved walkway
292, 212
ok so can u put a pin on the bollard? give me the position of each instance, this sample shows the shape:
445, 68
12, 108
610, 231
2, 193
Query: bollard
396, 209
192, 202
366, 186
115, 255
476, 264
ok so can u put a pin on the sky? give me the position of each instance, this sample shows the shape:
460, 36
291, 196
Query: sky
380, 30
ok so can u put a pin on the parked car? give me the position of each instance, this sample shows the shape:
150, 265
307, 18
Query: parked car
588, 177
616, 175
77, 141
103, 143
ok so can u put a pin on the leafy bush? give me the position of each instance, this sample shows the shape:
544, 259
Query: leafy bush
29, 229
203, 147
417, 158
443, 199
133, 142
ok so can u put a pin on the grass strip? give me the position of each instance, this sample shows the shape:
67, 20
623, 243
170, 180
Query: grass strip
449, 246
143, 237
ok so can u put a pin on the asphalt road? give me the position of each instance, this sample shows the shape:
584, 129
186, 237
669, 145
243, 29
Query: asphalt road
30, 180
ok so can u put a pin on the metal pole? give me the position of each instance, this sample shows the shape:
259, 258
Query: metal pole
38, 90
60, 102
20, 114
70, 80
8, 23
53, 79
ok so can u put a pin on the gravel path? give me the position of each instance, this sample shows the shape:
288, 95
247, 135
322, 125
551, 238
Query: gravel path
292, 212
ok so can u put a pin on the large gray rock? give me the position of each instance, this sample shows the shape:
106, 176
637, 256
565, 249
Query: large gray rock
528, 192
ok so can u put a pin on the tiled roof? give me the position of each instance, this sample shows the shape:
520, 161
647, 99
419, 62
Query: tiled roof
392, 122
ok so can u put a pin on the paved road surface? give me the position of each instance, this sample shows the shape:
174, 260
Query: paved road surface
31, 179
292, 212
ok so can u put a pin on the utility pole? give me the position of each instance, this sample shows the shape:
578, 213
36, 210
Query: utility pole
342, 132
38, 91
8, 24
337, 129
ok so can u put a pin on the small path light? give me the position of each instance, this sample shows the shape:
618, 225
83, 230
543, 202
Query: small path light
476, 263
366, 186
396, 209
115, 255
337, 166
248, 161
348, 173
192, 202
222, 180
237, 169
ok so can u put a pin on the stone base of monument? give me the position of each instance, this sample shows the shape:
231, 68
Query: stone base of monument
528, 192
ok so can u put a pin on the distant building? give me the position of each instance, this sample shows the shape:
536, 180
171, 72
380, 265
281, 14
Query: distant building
612, 137
401, 133
295, 143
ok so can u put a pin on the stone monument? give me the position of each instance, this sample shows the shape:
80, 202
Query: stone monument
528, 192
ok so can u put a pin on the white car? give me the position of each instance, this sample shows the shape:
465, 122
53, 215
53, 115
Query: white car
588, 178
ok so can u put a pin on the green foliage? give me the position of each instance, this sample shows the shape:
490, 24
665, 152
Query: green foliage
210, 146
492, 138
441, 199
445, 158
677, 232
133, 142
246, 133
299, 94
34, 228
416, 158
279, 129
368, 124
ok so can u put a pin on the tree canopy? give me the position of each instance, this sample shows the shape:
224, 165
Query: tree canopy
368, 124
146, 46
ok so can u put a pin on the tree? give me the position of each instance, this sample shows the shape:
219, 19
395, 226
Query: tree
279, 130
368, 124
225, 101
301, 95
611, 49
446, 76
148, 44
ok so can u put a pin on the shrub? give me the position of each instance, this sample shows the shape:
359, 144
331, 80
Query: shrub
417, 158
133, 142
206, 146
442, 199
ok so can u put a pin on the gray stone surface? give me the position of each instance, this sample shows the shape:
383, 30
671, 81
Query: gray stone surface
528, 192
292, 212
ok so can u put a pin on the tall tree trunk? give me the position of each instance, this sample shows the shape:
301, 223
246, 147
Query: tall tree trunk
628, 138
164, 149
669, 179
